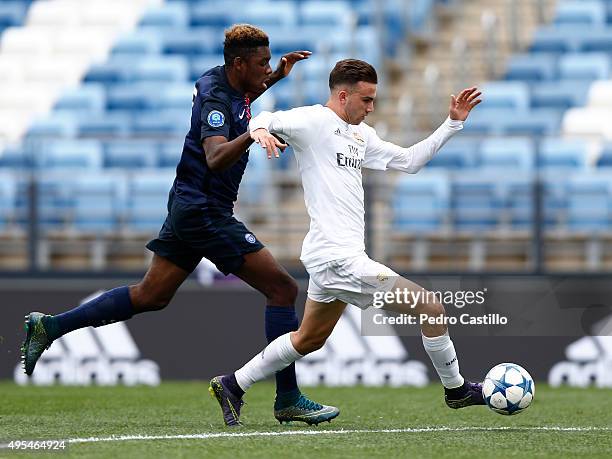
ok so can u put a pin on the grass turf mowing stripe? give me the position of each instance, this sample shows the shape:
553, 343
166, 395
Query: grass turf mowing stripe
212, 435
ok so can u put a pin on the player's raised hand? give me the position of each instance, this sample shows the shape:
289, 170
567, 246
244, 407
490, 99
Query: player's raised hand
288, 61
461, 105
268, 141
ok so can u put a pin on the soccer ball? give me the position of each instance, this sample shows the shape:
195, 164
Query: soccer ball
508, 388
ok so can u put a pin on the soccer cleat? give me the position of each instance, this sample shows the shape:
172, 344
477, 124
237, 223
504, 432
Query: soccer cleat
35, 343
230, 404
470, 394
306, 410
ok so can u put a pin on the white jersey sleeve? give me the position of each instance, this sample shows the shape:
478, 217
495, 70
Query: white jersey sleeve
383, 155
292, 125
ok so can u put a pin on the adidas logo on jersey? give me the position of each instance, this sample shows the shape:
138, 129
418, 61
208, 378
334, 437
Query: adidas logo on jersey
103, 356
337, 131
348, 358
589, 360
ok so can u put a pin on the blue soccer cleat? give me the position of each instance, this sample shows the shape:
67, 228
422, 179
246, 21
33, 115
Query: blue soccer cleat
35, 343
230, 403
305, 410
467, 395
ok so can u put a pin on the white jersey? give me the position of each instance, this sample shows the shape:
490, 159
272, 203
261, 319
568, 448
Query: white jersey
330, 154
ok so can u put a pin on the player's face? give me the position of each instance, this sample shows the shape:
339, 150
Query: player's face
256, 70
359, 101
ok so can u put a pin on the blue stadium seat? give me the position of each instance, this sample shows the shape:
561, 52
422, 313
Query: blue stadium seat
477, 203
12, 13
15, 157
567, 154
458, 153
585, 66
130, 154
137, 43
505, 95
589, 202
421, 202
71, 154
603, 161
508, 154
203, 15
325, 13
559, 95
168, 15
554, 40
169, 154
266, 14
81, 100
53, 126
168, 69
177, 96
115, 70
589, 13
54, 198
133, 97
518, 203
199, 65
554, 190
193, 42
147, 199
106, 125
532, 67
161, 125
8, 202
97, 201
534, 123
595, 40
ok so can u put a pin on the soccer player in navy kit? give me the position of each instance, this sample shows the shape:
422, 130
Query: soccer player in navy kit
200, 221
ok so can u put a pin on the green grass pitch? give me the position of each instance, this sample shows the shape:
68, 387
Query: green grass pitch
374, 422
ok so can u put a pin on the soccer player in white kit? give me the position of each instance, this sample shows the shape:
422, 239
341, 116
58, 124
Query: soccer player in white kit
332, 144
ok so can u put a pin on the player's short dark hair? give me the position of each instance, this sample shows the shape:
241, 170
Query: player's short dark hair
351, 72
242, 40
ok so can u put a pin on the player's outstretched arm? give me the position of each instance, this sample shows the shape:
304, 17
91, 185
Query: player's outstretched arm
283, 69
462, 105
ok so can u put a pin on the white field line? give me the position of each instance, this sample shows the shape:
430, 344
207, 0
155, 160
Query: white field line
212, 435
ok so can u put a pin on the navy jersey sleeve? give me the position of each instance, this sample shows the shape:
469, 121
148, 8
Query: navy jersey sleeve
215, 118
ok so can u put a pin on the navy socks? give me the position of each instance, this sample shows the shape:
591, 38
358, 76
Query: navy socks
279, 321
112, 306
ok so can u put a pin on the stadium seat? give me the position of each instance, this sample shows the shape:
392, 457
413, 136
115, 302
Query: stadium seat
71, 154
554, 40
82, 100
532, 67
458, 153
147, 199
137, 43
14, 158
97, 201
509, 154
199, 65
106, 125
285, 14
169, 154
566, 154
130, 154
333, 14
193, 42
595, 40
585, 66
559, 95
8, 192
55, 125
477, 202
168, 15
161, 70
167, 124
589, 201
505, 95
589, 13
604, 159
12, 13
421, 202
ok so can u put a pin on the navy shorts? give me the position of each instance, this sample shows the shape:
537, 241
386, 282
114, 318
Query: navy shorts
191, 232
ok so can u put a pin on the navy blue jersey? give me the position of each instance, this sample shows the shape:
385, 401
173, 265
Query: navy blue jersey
218, 110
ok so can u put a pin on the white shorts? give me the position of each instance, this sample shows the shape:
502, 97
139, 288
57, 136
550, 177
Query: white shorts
351, 280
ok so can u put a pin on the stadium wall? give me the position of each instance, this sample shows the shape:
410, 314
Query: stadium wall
211, 330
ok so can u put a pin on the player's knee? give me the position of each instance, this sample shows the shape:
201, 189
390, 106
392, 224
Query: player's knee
435, 309
305, 344
282, 292
145, 299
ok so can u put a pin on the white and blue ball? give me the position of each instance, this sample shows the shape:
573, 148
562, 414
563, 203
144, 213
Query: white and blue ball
508, 388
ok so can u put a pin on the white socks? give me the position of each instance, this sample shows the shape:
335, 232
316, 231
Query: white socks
277, 355
441, 351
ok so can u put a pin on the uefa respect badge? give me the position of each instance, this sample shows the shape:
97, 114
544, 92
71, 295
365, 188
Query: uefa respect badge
216, 119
